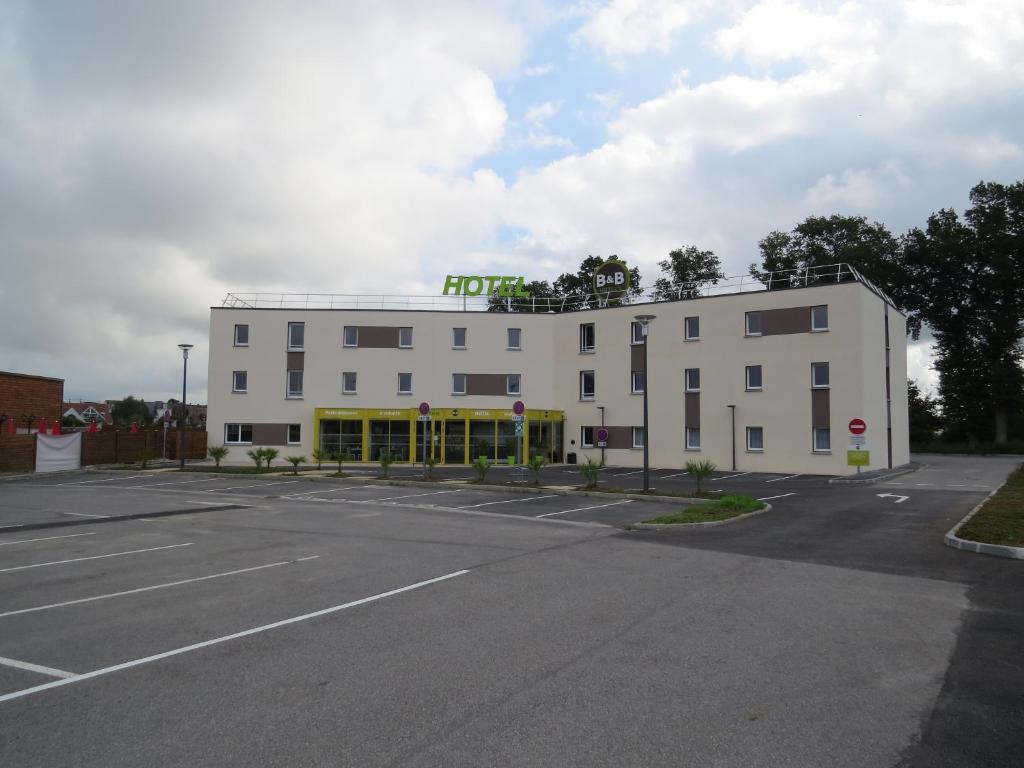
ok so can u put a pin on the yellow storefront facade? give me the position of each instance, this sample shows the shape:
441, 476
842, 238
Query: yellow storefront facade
452, 436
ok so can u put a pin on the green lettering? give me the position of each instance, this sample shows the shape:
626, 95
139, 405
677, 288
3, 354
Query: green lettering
520, 291
453, 282
506, 286
491, 280
477, 281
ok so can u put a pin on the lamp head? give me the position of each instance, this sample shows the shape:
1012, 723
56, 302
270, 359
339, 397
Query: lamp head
644, 319
184, 349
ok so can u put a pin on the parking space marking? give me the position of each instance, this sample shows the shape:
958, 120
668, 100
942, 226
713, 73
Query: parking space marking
730, 477
776, 479
103, 480
258, 485
780, 496
156, 586
621, 474
225, 638
414, 495
93, 557
677, 474
29, 667
176, 482
44, 538
508, 501
83, 514
581, 509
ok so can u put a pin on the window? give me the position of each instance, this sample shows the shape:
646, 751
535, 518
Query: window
639, 380
241, 335
586, 437
405, 338
512, 382
294, 434
692, 379
458, 383
351, 337
405, 383
819, 375
754, 380
637, 333
296, 336
691, 328
586, 385
819, 318
822, 440
239, 381
348, 383
295, 384
638, 437
586, 337
755, 439
515, 338
752, 323
693, 438
237, 434
459, 338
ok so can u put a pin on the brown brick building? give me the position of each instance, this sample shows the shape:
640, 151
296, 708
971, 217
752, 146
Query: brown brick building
22, 395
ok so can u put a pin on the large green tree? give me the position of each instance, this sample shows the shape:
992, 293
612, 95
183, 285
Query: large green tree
925, 422
964, 278
686, 270
130, 410
570, 291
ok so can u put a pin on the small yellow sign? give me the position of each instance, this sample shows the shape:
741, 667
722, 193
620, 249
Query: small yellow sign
858, 458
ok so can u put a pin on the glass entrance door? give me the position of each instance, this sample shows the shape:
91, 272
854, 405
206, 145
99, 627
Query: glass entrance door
433, 430
391, 436
454, 442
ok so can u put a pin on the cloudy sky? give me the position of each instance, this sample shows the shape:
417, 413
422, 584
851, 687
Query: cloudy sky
157, 155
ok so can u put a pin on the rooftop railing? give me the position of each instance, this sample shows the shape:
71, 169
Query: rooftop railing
749, 283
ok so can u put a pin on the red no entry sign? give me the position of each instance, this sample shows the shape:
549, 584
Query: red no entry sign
857, 427
424, 408
518, 407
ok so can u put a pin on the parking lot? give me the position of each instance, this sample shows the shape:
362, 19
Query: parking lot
291, 621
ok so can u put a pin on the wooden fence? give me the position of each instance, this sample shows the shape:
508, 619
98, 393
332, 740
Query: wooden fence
109, 446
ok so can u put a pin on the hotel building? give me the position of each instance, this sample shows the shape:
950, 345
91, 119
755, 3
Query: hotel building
751, 379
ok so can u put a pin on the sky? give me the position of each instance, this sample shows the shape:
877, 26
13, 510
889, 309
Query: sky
155, 156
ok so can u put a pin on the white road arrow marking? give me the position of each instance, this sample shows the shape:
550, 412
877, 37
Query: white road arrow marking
899, 499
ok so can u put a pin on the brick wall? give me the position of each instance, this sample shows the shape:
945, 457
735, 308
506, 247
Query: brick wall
22, 395
17, 453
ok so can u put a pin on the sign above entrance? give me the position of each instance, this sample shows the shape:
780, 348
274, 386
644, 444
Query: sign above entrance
611, 280
474, 285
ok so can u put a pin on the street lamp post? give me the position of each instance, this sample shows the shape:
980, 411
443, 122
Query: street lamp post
645, 322
181, 426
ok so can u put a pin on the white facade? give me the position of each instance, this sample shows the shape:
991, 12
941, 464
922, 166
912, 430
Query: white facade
786, 409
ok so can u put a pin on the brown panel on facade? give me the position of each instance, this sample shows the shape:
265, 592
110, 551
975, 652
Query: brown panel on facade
693, 409
775, 322
618, 437
378, 336
269, 434
820, 408
636, 357
486, 384
296, 361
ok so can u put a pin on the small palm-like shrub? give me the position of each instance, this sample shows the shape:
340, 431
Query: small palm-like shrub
217, 452
431, 462
481, 467
269, 454
591, 469
536, 463
701, 471
386, 460
319, 454
295, 461
256, 454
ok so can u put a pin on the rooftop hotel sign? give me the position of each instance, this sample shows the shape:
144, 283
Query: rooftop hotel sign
473, 285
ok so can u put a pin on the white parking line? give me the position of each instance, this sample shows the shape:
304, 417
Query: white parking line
730, 477
225, 638
414, 495
176, 482
93, 557
156, 586
509, 501
677, 474
35, 668
776, 479
83, 514
620, 474
780, 496
219, 503
45, 538
258, 485
581, 509
103, 480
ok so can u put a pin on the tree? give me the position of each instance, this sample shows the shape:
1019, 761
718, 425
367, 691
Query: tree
685, 270
541, 299
963, 279
569, 292
818, 241
925, 423
131, 410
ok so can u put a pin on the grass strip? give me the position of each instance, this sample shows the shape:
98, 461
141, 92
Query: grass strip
724, 508
1001, 519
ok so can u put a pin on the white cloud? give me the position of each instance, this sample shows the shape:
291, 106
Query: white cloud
538, 70
634, 27
538, 114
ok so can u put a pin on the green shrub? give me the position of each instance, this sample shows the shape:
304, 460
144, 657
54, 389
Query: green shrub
146, 455
217, 452
269, 454
701, 471
386, 460
536, 463
431, 462
256, 454
590, 470
295, 461
481, 467
319, 454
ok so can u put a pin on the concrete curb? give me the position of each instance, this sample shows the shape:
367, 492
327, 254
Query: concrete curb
854, 480
120, 518
980, 547
672, 526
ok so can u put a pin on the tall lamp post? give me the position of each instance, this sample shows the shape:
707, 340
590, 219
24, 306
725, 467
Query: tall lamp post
645, 322
181, 426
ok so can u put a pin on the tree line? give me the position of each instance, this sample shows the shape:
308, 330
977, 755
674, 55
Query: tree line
959, 276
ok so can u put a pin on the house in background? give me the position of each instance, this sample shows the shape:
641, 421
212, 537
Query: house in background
89, 412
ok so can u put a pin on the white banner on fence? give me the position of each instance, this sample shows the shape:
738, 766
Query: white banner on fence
57, 452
